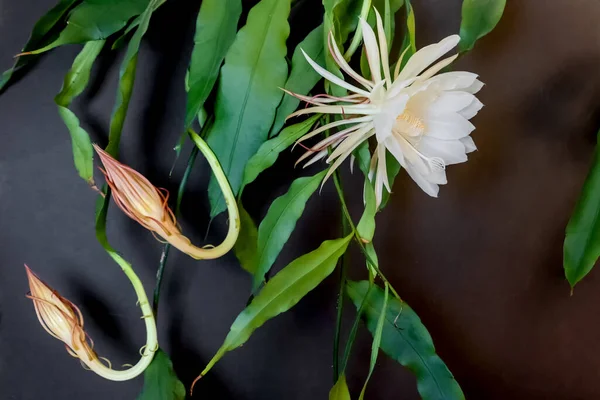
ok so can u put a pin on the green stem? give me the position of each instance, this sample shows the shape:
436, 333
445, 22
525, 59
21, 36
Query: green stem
352, 335
165, 252
357, 238
340, 307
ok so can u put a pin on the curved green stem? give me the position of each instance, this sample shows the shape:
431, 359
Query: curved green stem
151, 335
234, 215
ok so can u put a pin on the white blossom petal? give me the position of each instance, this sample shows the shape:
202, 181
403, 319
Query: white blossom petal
372, 50
426, 56
451, 151
332, 78
383, 48
469, 144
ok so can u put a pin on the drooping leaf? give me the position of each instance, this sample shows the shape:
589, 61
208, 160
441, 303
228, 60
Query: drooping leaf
127, 79
302, 76
97, 20
38, 38
245, 246
393, 169
269, 151
160, 380
582, 241
249, 92
406, 340
216, 27
376, 341
340, 390
283, 292
74, 83
479, 17
277, 226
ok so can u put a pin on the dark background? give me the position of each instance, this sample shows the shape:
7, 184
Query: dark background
482, 265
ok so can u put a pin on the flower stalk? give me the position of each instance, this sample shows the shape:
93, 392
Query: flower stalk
146, 204
64, 321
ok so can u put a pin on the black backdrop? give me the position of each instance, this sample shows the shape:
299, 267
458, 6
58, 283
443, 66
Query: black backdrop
481, 264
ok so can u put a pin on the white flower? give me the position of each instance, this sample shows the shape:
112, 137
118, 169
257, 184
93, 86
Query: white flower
421, 118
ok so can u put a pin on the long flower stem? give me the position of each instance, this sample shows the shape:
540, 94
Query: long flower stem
151, 335
165, 252
234, 215
358, 239
340, 307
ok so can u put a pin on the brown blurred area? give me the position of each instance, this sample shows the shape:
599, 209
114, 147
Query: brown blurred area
482, 264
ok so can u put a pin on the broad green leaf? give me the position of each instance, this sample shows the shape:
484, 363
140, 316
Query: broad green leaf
279, 223
302, 76
283, 292
160, 380
582, 241
479, 17
376, 341
406, 340
340, 390
249, 92
268, 152
97, 20
75, 82
39, 37
216, 27
245, 246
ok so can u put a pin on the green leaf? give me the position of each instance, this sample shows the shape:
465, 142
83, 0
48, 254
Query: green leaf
479, 17
269, 151
74, 83
340, 18
97, 20
279, 223
582, 241
249, 92
39, 37
366, 225
283, 292
393, 169
127, 79
302, 76
160, 381
340, 390
376, 341
216, 27
245, 246
406, 340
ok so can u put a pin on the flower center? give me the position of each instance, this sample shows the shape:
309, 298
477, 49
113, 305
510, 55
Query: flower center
410, 124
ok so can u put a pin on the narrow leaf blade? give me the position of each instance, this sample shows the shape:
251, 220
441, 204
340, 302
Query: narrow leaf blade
245, 246
74, 83
268, 152
479, 17
582, 242
39, 37
406, 340
216, 27
160, 380
283, 292
97, 20
340, 390
249, 92
302, 76
277, 226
